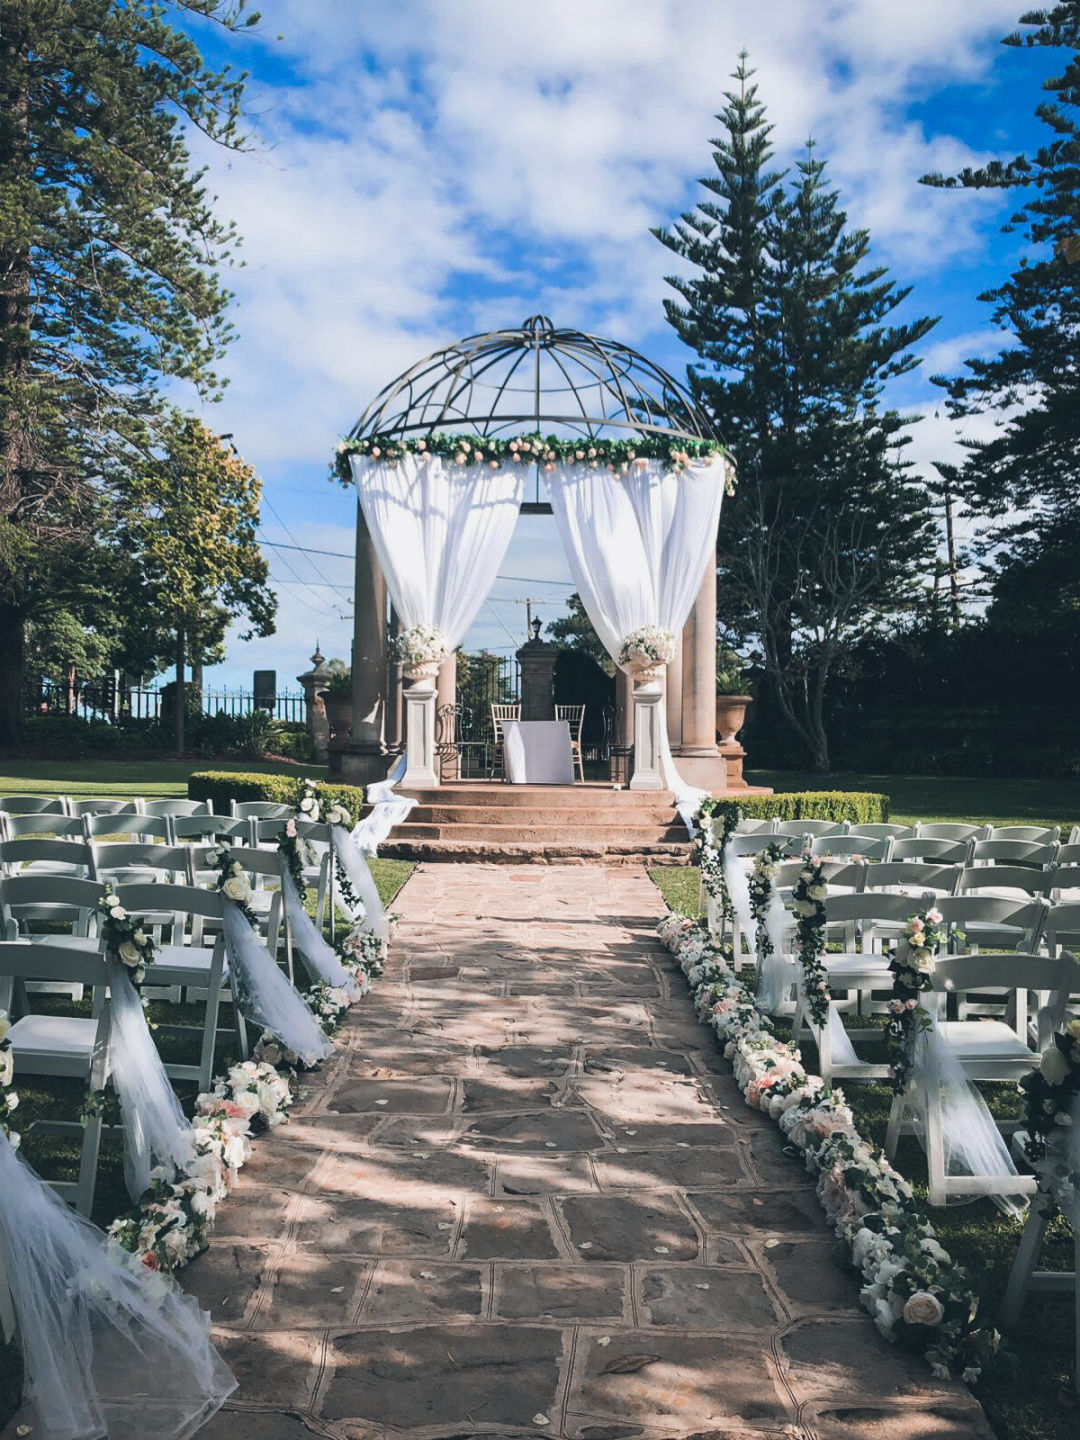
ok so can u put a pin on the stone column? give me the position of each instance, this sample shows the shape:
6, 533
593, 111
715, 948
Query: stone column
395, 724
421, 773
697, 757
313, 681
365, 759
537, 659
446, 687
673, 697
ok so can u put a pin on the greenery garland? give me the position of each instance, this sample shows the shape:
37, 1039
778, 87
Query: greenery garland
709, 855
808, 903
760, 885
1050, 1092
126, 940
9, 1100
912, 966
534, 449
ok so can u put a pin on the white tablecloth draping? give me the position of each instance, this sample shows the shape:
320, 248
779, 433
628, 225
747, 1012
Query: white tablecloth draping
537, 752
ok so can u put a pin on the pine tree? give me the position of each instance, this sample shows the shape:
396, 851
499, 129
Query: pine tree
826, 528
109, 268
1032, 462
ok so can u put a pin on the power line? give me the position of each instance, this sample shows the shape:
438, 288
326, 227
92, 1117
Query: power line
342, 555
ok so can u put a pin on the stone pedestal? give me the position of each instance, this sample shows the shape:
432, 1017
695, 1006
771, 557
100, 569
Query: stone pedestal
313, 681
422, 773
365, 758
537, 659
648, 709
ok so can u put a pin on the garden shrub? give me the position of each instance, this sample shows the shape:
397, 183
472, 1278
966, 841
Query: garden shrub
861, 807
221, 786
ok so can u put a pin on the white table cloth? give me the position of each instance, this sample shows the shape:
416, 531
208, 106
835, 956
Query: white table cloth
537, 752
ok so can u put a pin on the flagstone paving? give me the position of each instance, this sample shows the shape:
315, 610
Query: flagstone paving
525, 1199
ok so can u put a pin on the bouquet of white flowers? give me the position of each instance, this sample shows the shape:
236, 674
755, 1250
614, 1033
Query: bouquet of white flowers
647, 647
419, 645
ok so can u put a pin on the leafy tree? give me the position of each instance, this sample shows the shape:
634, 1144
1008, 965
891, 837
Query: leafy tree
575, 631
189, 518
1031, 464
825, 535
109, 268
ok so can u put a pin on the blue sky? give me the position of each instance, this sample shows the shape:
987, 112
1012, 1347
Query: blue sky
424, 169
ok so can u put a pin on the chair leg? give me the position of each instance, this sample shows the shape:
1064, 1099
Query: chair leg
88, 1165
896, 1118
1026, 1259
935, 1150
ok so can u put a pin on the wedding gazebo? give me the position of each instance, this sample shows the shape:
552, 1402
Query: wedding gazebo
538, 420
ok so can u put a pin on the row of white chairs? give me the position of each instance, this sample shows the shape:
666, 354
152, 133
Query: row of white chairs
170, 822
136, 805
922, 829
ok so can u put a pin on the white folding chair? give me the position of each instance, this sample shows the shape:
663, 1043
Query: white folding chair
204, 829
574, 715
31, 805
881, 829
950, 830
28, 900
97, 805
993, 922
123, 862
799, 828
912, 877
189, 962
64, 1046
137, 827
1003, 880
255, 810
932, 850
1036, 834
46, 857
851, 847
164, 809
1013, 852
48, 826
755, 827
260, 867
986, 1049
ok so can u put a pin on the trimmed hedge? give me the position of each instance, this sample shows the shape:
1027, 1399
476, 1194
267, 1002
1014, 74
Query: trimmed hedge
861, 807
221, 786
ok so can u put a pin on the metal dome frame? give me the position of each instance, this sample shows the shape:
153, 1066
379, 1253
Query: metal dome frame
442, 392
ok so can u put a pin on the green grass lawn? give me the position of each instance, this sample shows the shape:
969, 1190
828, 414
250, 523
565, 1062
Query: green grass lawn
155, 779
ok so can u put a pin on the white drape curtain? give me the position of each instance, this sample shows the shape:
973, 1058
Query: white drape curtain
637, 545
440, 531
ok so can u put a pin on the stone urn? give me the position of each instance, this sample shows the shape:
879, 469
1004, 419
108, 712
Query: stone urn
730, 716
648, 674
426, 670
338, 715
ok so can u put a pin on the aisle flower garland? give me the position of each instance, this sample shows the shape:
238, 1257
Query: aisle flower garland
708, 854
912, 1288
808, 905
760, 885
912, 967
9, 1099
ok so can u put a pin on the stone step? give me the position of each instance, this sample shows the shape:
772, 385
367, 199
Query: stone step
485, 814
536, 830
545, 853
559, 797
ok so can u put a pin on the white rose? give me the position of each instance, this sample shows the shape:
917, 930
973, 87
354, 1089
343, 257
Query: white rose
119, 913
1054, 1067
247, 1101
129, 953
307, 804
237, 888
237, 868
922, 1308
884, 1318
5, 1024
139, 937
7, 1068
12, 1100
112, 900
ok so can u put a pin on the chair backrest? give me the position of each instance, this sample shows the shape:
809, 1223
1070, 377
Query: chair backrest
879, 830
148, 827
1037, 834
872, 905
259, 810
255, 862
1028, 917
66, 964
112, 855
1063, 926
574, 715
207, 827
1068, 855
1004, 877
813, 827
932, 848
950, 830
1012, 852
99, 806
14, 853
741, 845
502, 712
914, 873
851, 847
1051, 976
447, 718
61, 827
1074, 835
32, 805
755, 827
45, 897
161, 808
147, 896
833, 872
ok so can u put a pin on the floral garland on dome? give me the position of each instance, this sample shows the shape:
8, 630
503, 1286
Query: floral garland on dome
547, 450
808, 904
915, 1292
912, 966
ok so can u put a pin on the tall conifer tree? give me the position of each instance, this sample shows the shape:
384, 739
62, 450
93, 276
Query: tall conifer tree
109, 261
826, 529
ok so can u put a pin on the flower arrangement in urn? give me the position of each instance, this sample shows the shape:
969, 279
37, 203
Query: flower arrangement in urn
420, 650
647, 651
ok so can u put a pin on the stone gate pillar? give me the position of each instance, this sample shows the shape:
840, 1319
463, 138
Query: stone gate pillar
313, 681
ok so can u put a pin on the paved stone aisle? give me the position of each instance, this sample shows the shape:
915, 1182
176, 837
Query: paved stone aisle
526, 1200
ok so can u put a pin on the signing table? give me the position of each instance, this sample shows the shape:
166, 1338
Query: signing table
537, 752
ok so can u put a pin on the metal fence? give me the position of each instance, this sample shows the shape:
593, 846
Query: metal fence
111, 699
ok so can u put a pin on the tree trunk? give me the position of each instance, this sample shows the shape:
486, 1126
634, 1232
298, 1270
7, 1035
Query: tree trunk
181, 696
12, 674
196, 654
